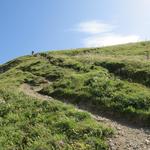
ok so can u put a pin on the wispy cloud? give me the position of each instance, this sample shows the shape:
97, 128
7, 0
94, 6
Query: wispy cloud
102, 34
109, 39
93, 27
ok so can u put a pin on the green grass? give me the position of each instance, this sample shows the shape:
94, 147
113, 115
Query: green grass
132, 71
27, 123
114, 80
30, 124
105, 93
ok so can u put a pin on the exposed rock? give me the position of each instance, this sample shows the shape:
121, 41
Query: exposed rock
147, 142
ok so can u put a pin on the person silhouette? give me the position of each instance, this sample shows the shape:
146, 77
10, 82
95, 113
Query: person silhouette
32, 52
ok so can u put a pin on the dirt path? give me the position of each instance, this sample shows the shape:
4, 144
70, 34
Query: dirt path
125, 138
32, 91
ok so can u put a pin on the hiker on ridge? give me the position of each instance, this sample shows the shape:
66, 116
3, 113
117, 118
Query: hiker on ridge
32, 52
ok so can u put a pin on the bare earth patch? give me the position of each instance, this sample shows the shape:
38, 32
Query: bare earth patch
32, 91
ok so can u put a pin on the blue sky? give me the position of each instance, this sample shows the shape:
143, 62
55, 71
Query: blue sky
42, 25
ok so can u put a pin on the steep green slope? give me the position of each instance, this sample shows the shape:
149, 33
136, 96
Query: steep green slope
113, 80
89, 79
28, 123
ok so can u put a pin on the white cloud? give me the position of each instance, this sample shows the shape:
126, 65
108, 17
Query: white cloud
102, 34
109, 39
93, 27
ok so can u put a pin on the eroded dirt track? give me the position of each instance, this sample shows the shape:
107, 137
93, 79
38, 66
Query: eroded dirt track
32, 91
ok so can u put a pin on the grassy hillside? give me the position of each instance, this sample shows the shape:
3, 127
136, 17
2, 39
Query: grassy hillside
113, 80
28, 123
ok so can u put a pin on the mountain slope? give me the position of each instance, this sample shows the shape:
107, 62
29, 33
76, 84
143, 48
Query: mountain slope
31, 123
113, 81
